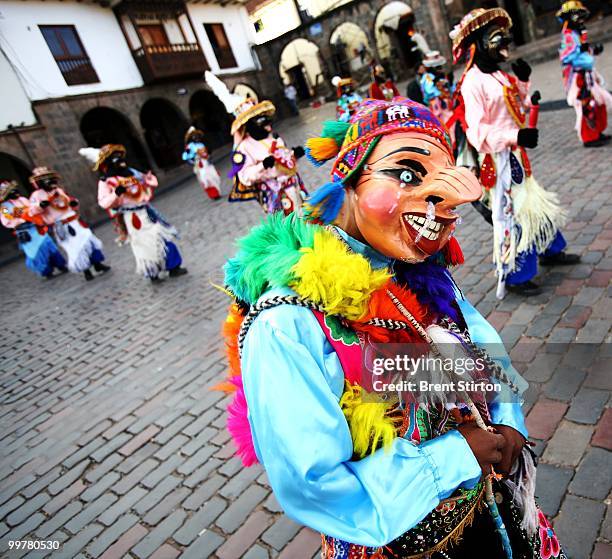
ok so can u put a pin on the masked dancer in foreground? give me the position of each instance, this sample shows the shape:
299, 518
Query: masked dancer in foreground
493, 133
315, 298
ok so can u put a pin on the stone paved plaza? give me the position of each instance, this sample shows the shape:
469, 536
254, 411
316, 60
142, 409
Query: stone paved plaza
113, 445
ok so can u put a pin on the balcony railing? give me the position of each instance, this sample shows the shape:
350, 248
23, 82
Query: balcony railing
77, 70
162, 62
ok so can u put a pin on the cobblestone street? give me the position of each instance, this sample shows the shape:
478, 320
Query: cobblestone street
113, 444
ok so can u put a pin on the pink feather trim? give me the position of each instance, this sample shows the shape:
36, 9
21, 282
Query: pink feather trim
238, 425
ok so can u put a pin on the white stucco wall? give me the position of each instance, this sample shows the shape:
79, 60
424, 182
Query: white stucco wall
237, 28
15, 107
277, 18
98, 29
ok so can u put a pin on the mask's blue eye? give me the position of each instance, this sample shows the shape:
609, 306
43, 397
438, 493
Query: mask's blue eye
407, 176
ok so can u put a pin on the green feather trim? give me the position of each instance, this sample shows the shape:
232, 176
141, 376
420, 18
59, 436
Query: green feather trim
267, 255
335, 130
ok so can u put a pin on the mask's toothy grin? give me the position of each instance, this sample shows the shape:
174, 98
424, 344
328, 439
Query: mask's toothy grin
427, 234
417, 222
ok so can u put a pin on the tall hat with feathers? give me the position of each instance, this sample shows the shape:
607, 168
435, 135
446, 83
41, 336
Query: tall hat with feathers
243, 108
98, 156
40, 173
462, 33
350, 144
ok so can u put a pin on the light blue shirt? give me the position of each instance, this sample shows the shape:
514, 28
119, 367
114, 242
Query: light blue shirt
570, 46
191, 151
293, 382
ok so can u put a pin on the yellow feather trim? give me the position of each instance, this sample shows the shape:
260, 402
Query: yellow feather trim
322, 149
331, 275
369, 422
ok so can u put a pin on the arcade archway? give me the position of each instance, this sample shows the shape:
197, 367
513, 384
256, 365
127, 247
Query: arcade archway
164, 127
13, 169
209, 115
246, 91
104, 125
396, 39
300, 64
350, 52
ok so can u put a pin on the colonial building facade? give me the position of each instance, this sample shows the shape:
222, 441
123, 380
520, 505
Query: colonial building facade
86, 73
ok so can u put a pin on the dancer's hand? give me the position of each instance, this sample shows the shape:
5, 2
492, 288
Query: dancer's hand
44, 203
73, 203
268, 162
487, 447
521, 69
120, 190
298, 151
584, 47
527, 137
597, 49
512, 449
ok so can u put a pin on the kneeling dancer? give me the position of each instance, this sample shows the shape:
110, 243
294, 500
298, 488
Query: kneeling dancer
60, 213
129, 192
384, 478
491, 112
41, 254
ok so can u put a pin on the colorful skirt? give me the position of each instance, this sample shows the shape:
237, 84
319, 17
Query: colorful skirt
460, 529
41, 253
525, 216
80, 245
586, 92
150, 237
208, 178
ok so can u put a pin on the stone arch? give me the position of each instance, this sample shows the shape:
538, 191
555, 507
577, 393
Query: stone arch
14, 169
245, 90
164, 127
300, 64
208, 114
392, 27
349, 47
104, 125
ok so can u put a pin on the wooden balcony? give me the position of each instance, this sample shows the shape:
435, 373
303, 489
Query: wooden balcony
167, 62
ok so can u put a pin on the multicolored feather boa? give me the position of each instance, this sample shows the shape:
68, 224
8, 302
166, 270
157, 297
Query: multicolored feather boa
320, 267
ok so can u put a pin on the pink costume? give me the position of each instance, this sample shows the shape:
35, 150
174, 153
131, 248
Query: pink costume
41, 254
139, 191
59, 205
149, 234
525, 216
12, 217
277, 188
82, 248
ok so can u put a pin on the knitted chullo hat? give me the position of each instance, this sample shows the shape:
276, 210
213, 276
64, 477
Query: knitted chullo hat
352, 142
